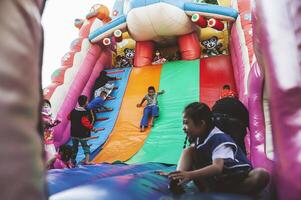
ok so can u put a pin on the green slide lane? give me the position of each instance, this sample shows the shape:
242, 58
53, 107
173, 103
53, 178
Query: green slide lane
180, 80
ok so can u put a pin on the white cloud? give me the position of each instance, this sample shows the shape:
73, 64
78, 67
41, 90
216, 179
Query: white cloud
59, 31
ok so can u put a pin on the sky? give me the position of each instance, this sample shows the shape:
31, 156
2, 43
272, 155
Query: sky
59, 31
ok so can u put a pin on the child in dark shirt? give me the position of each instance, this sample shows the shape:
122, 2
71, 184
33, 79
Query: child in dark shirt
103, 80
81, 127
213, 160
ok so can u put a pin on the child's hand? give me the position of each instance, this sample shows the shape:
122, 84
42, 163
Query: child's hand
183, 176
57, 121
139, 105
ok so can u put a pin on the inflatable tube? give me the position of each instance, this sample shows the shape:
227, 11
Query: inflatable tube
189, 46
257, 120
209, 10
108, 29
143, 53
277, 26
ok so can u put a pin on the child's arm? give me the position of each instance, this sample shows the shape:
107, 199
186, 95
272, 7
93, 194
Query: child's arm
161, 92
142, 101
185, 176
106, 108
86, 123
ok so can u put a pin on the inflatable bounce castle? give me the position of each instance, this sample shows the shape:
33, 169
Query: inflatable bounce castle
204, 46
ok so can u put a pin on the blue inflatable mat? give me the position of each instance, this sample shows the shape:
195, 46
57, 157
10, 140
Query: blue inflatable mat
120, 181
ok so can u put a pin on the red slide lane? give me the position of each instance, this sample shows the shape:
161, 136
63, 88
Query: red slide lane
214, 73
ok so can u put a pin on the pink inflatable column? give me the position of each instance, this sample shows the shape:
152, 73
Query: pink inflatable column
143, 53
277, 27
189, 46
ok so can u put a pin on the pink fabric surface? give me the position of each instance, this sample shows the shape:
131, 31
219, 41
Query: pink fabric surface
79, 83
277, 33
21, 168
238, 66
256, 119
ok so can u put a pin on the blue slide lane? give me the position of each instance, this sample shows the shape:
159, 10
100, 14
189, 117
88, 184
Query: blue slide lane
110, 123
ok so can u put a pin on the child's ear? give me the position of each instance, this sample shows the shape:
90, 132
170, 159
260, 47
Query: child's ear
202, 123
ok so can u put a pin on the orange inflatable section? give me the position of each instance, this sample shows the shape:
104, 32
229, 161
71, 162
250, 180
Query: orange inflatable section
126, 139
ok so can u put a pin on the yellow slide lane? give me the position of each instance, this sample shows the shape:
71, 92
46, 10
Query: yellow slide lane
126, 138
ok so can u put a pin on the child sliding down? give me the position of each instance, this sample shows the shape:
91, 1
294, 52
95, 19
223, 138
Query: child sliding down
151, 108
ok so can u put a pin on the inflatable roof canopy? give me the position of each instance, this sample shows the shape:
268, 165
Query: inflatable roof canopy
190, 49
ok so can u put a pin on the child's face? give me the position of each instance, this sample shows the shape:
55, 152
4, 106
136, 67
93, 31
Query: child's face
103, 95
191, 129
46, 108
151, 92
46, 105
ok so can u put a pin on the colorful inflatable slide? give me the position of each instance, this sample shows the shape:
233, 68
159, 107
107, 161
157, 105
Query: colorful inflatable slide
216, 47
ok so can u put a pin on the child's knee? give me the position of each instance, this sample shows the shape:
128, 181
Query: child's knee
261, 177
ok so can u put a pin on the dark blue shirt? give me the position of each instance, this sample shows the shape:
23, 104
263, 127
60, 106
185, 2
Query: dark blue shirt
96, 103
215, 139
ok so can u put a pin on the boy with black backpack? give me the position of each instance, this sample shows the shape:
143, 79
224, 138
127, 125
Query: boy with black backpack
232, 117
81, 127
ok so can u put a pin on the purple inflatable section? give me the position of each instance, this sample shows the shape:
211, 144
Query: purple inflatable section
80, 81
277, 33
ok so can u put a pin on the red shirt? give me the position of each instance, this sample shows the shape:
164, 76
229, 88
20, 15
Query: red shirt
85, 122
227, 93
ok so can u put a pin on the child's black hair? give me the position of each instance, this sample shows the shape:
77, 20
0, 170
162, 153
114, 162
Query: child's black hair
47, 101
151, 88
82, 99
197, 112
226, 87
66, 152
104, 92
102, 73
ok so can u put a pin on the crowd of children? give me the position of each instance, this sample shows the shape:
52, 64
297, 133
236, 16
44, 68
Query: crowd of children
82, 119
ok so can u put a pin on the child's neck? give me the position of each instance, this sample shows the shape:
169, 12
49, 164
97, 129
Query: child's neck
208, 131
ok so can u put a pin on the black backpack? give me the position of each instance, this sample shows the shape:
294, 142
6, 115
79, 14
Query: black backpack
232, 117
